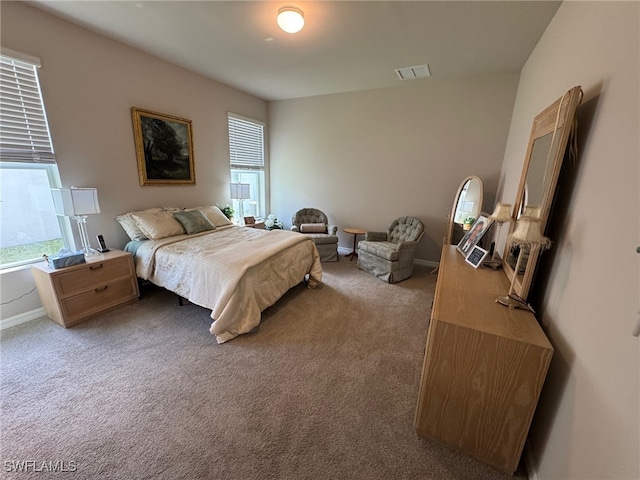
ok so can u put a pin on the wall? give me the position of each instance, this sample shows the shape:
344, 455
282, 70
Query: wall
587, 425
368, 157
89, 85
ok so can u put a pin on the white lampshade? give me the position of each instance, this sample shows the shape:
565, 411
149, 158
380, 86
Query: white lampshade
290, 19
239, 191
75, 201
528, 233
502, 213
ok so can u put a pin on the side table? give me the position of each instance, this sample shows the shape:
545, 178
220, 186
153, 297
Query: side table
73, 294
355, 232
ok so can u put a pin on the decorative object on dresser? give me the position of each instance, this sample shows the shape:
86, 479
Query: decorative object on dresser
72, 295
468, 203
552, 132
77, 203
389, 255
528, 238
474, 234
164, 148
476, 256
500, 216
315, 224
240, 192
484, 367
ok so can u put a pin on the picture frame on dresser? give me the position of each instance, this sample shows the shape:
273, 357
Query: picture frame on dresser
164, 148
474, 235
476, 256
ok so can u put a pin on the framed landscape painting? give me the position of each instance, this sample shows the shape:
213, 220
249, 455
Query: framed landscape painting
164, 148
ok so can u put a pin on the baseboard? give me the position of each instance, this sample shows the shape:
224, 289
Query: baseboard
21, 318
530, 462
426, 263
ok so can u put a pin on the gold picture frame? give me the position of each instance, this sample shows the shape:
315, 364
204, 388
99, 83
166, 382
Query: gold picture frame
164, 148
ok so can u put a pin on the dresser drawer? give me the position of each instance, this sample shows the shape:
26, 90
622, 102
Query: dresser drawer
77, 307
92, 275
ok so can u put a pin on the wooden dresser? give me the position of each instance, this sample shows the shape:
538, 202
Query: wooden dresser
484, 366
73, 294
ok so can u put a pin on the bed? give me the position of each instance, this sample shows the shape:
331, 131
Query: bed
237, 272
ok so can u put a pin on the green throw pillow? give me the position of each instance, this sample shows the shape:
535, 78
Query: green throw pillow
193, 221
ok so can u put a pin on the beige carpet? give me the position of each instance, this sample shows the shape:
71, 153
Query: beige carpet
325, 388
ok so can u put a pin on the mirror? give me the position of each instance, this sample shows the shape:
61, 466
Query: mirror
467, 204
547, 145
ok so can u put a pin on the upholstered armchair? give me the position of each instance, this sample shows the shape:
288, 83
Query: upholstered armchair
389, 255
313, 222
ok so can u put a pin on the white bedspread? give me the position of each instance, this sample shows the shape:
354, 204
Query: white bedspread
237, 272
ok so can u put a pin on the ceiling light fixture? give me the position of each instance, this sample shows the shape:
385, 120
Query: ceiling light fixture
290, 19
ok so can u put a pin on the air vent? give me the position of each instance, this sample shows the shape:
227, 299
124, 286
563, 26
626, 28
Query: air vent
409, 73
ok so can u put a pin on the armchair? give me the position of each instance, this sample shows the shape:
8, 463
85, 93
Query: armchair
313, 222
389, 255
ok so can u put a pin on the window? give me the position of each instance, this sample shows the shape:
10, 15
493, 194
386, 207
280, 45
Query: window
246, 153
28, 171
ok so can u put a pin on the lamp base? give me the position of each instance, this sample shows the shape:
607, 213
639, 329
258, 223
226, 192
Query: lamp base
84, 237
513, 301
493, 264
90, 252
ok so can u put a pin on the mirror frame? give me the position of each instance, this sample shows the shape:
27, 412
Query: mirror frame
449, 237
559, 114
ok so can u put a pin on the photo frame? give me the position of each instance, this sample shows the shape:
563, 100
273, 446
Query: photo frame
164, 148
476, 256
474, 235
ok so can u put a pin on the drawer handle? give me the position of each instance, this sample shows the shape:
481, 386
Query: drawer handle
100, 289
95, 267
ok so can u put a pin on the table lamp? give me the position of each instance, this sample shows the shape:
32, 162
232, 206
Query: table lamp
240, 192
77, 203
500, 215
527, 234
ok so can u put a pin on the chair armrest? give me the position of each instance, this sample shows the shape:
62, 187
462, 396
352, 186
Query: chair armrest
332, 229
407, 245
294, 228
375, 236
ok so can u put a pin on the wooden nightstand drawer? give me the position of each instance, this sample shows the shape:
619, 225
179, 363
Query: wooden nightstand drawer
91, 275
77, 307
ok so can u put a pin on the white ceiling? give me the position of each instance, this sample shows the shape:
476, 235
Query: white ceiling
344, 46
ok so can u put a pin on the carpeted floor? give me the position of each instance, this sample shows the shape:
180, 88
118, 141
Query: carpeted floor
325, 388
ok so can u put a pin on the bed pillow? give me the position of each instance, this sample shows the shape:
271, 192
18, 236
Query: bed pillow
193, 221
313, 228
130, 226
215, 216
158, 225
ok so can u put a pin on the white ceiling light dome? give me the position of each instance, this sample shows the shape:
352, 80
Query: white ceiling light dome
290, 19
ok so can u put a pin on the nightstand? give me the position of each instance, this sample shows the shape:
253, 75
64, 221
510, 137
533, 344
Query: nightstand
73, 294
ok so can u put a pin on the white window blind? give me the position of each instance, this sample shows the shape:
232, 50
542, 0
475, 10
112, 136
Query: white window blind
24, 131
246, 143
